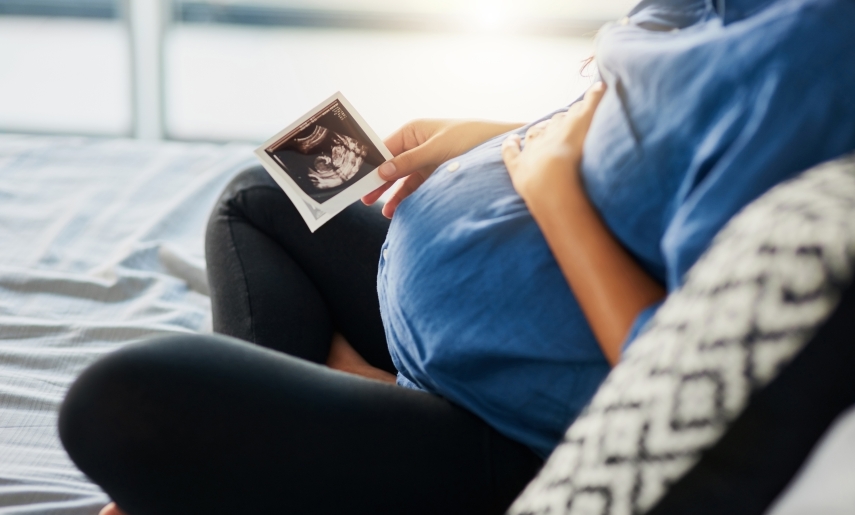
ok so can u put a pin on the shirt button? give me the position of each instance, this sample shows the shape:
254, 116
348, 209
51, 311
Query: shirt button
453, 166
624, 21
385, 253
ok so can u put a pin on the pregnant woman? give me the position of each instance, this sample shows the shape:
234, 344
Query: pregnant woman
518, 263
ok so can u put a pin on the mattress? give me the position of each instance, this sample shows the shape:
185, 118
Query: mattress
101, 244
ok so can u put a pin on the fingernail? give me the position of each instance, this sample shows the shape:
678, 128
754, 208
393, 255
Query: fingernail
599, 86
387, 170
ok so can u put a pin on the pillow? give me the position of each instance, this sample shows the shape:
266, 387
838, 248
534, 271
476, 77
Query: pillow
720, 399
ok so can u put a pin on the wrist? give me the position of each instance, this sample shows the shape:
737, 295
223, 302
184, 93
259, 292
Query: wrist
489, 130
557, 183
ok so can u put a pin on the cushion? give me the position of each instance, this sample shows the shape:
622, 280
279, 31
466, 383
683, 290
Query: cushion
718, 402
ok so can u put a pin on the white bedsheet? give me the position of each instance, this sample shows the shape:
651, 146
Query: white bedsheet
101, 244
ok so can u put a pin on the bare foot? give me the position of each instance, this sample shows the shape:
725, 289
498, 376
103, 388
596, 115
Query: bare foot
111, 509
345, 358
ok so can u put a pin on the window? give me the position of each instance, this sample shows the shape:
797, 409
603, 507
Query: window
64, 67
241, 69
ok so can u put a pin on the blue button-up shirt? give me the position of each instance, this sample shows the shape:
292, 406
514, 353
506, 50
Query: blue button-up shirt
709, 104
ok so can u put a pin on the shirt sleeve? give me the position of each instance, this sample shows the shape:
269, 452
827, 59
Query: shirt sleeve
401, 380
769, 134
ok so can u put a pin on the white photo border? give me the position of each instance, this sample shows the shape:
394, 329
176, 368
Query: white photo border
306, 205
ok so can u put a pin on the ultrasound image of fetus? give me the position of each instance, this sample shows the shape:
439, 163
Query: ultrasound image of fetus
326, 156
343, 161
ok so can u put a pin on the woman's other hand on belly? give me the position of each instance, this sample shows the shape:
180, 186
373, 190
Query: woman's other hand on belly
611, 287
421, 146
553, 150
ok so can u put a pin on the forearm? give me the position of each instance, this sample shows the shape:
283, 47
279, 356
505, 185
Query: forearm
496, 128
472, 133
610, 286
421, 146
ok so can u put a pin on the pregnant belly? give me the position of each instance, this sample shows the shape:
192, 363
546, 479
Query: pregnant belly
476, 309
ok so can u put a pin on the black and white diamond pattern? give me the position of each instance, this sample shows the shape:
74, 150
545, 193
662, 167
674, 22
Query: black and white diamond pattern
771, 276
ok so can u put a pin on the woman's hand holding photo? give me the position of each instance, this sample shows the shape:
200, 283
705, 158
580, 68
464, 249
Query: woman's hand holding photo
421, 146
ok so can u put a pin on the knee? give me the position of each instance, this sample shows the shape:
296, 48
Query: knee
112, 410
252, 177
252, 196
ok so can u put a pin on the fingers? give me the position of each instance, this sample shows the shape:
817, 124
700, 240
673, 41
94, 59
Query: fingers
408, 162
376, 194
592, 99
397, 141
595, 92
403, 189
511, 151
581, 113
536, 129
414, 147
402, 140
562, 116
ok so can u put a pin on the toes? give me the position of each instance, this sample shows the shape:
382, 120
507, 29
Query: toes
111, 509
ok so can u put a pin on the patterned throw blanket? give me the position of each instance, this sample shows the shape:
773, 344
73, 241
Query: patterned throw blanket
772, 276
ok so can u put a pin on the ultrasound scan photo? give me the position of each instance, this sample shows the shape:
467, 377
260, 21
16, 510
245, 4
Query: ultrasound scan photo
326, 154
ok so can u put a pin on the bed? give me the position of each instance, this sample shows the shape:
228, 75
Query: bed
101, 244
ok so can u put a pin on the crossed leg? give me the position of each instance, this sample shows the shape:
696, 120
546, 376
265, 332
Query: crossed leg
210, 424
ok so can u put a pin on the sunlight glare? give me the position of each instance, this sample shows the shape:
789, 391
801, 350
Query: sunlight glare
489, 16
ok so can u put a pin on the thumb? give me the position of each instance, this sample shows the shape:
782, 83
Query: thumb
580, 121
412, 160
592, 99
